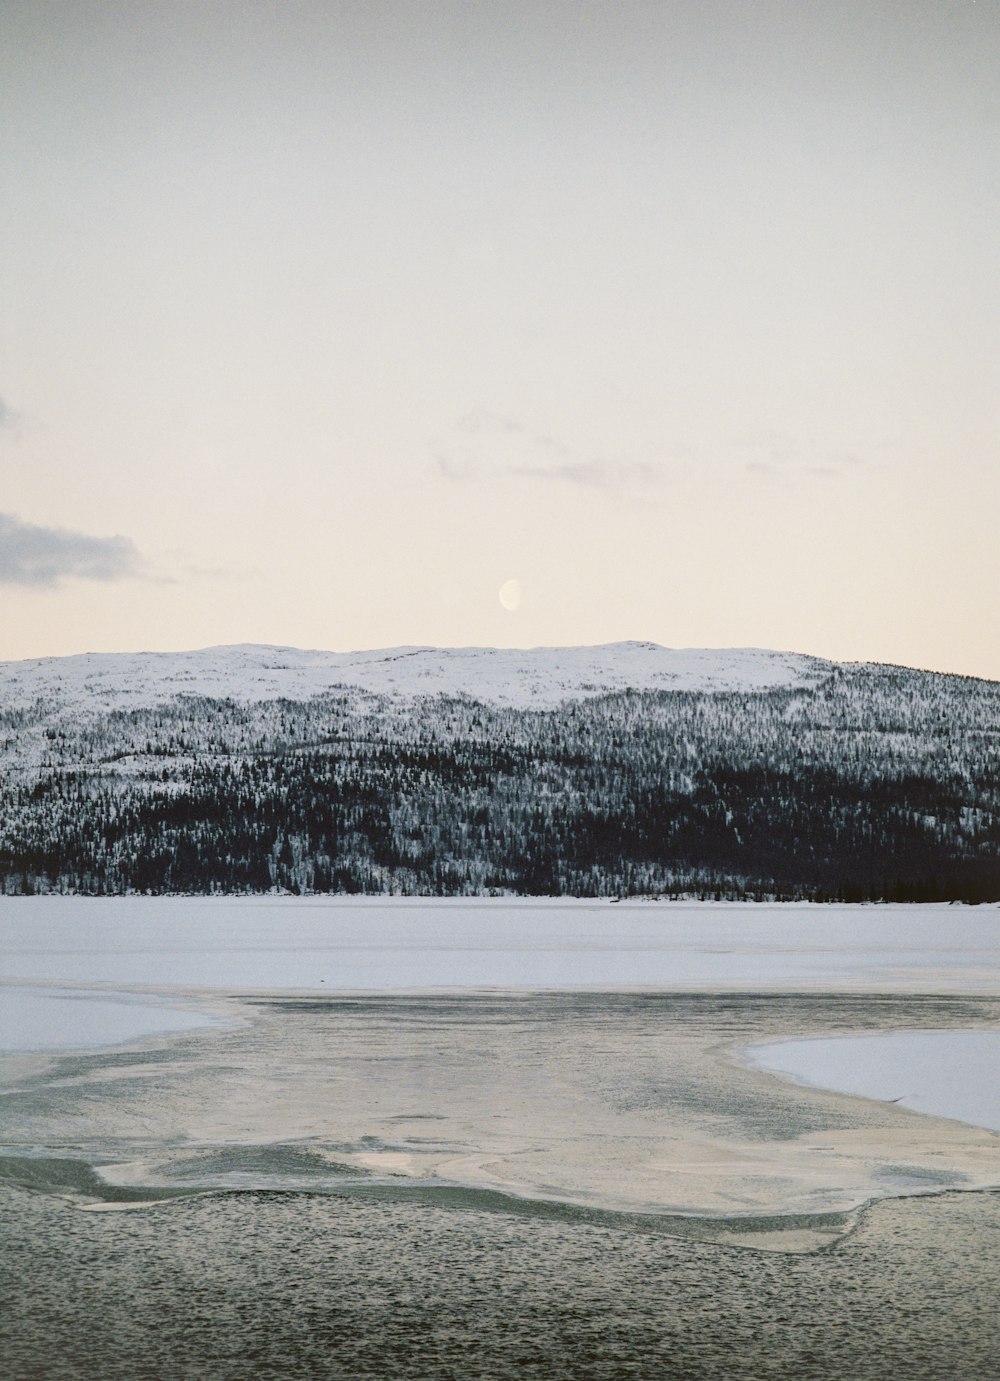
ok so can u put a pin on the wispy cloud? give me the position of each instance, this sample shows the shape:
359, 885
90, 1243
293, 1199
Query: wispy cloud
593, 474
767, 447
44, 557
488, 445
774, 455
8, 417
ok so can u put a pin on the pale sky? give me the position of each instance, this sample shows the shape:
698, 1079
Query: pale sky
324, 322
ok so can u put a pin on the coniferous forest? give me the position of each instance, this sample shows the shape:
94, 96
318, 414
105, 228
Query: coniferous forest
877, 783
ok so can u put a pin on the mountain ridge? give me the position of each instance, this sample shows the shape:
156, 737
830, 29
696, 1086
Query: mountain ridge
541, 677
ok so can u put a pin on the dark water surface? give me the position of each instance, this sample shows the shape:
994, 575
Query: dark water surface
269, 1285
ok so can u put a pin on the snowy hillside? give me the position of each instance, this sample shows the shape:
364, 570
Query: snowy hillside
620, 770
538, 678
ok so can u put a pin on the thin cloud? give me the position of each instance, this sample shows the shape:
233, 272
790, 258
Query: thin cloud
762, 467
768, 446
781, 458
457, 469
481, 422
487, 445
591, 474
43, 557
848, 461
8, 417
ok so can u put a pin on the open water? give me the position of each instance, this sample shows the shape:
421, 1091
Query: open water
228, 1204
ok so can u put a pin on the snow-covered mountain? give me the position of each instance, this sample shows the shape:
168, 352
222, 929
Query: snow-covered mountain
595, 771
538, 678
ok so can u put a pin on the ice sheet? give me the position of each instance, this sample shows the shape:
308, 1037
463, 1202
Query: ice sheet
56, 1019
277, 944
952, 1074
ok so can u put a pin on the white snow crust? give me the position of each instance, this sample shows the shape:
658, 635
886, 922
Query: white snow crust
539, 678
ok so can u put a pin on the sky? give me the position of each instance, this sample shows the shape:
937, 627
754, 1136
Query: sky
357, 323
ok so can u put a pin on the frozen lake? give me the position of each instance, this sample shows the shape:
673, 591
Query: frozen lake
81, 972
271, 944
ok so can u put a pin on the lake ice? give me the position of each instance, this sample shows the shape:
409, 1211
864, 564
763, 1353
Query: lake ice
271, 944
83, 972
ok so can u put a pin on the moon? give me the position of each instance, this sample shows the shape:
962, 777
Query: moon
509, 594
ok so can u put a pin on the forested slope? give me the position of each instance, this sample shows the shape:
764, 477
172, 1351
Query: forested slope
864, 782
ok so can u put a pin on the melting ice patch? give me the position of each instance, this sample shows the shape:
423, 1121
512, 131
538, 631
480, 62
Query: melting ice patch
35, 1018
952, 1074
